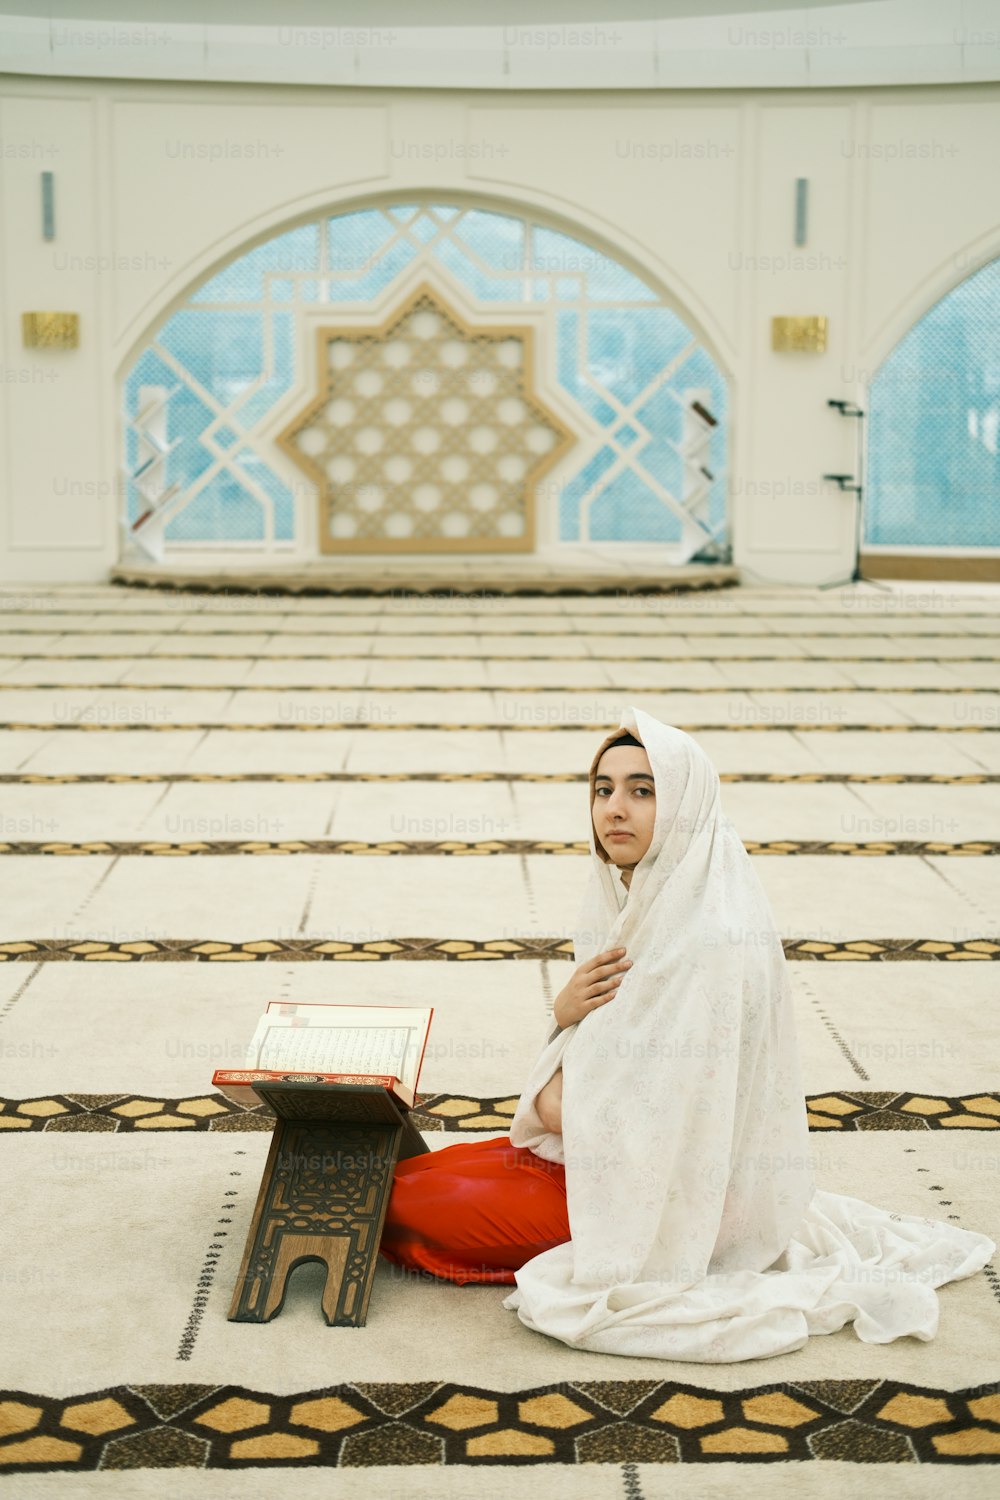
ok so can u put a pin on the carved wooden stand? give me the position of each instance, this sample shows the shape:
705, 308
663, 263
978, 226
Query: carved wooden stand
323, 1196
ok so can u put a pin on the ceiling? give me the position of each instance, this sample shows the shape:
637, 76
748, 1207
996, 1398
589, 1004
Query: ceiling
372, 13
507, 45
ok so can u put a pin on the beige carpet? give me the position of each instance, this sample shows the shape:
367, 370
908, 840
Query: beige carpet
212, 802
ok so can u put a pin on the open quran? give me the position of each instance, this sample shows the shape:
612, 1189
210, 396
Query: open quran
308, 1043
341, 1081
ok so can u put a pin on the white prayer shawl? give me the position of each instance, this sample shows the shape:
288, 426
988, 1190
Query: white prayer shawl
697, 1231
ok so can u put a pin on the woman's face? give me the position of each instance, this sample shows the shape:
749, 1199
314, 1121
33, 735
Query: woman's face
624, 807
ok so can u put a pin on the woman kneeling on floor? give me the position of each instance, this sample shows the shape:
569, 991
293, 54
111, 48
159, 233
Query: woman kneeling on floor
655, 1195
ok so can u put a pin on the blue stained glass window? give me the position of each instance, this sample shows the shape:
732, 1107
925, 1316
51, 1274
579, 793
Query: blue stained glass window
223, 510
354, 240
606, 279
222, 351
495, 238
614, 342
151, 372
697, 369
187, 419
243, 279
934, 426
276, 378
577, 488
378, 272
628, 348
572, 376
282, 504
614, 512
424, 228
663, 414
479, 282
664, 463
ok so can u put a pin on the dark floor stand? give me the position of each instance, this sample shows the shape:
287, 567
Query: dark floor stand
842, 481
323, 1196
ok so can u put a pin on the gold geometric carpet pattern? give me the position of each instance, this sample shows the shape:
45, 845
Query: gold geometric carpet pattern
603, 631
120, 1113
325, 656
449, 950
459, 847
579, 1422
112, 778
112, 724
437, 687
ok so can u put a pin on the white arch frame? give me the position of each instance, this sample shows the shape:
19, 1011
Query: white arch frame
602, 238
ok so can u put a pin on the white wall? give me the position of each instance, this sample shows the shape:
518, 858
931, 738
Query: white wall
694, 190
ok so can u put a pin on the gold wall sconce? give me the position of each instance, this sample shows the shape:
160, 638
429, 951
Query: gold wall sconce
50, 330
800, 335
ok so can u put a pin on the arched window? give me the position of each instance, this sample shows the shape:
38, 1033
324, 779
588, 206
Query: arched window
644, 401
934, 415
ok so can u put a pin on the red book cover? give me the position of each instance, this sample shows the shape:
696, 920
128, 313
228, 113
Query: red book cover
238, 1083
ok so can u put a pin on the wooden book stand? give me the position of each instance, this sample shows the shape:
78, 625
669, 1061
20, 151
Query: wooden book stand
323, 1196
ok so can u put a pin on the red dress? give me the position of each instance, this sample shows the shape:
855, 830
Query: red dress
475, 1211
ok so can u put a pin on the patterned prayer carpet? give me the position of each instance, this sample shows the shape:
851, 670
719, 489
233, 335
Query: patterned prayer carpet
140, 941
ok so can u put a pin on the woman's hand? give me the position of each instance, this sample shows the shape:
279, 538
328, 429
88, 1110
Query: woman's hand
548, 1103
594, 983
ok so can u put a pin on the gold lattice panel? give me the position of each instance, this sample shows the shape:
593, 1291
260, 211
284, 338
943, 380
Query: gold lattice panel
426, 434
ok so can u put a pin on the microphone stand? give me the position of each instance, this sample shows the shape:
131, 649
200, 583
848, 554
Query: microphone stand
846, 409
